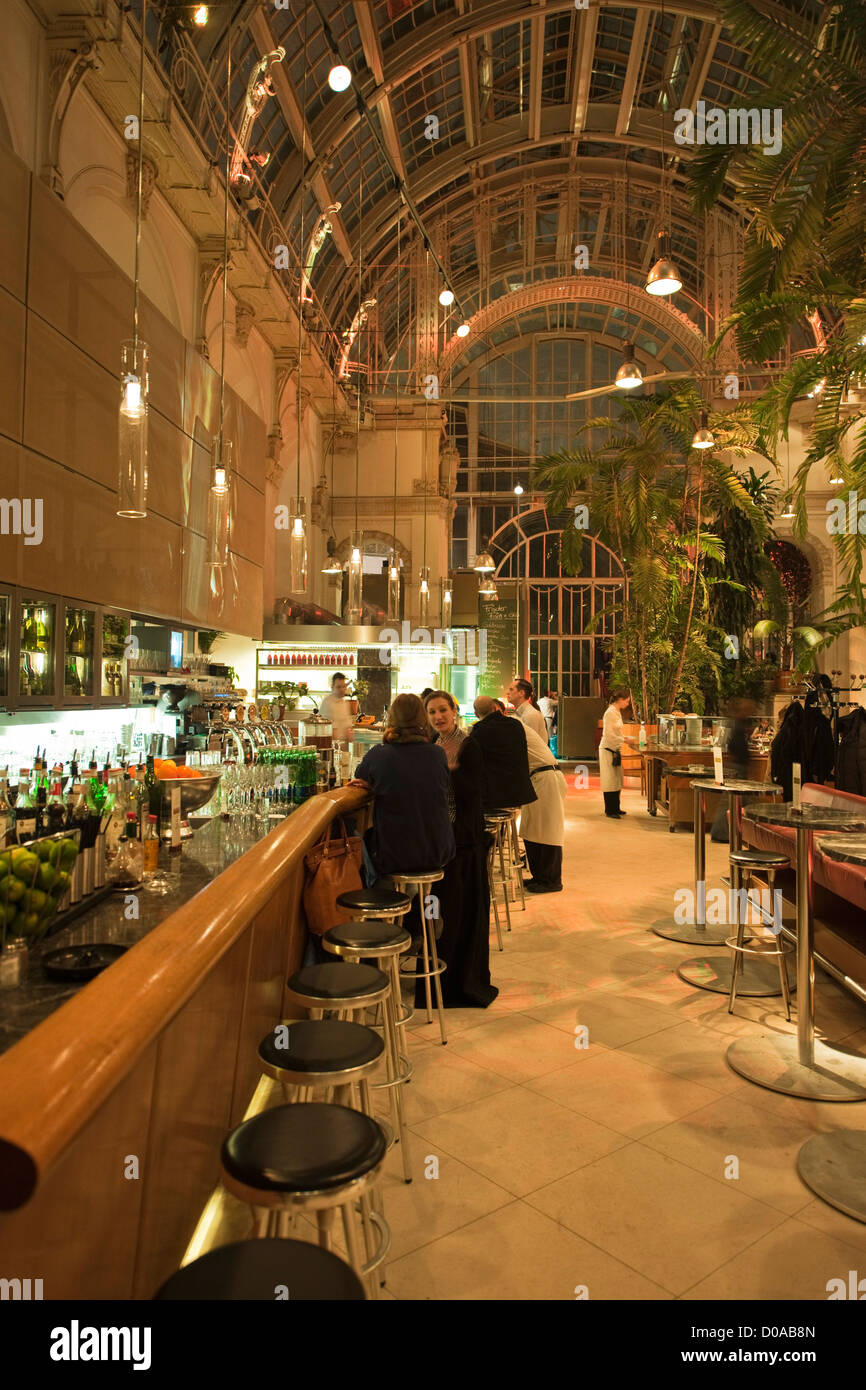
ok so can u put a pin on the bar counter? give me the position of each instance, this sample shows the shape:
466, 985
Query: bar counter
116, 1096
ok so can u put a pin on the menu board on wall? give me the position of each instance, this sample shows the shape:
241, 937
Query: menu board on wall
497, 632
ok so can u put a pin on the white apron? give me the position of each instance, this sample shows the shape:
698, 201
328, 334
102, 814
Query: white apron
612, 737
543, 821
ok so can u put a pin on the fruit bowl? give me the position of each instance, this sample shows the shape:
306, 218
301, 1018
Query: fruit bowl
194, 791
34, 880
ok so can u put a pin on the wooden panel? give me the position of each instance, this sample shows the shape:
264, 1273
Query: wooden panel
12, 321
248, 521
74, 285
229, 599
201, 391
250, 437
14, 220
11, 547
166, 363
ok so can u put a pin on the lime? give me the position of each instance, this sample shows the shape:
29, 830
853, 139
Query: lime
43, 849
28, 923
7, 914
15, 889
25, 865
68, 852
54, 849
61, 883
47, 877
34, 899
4, 865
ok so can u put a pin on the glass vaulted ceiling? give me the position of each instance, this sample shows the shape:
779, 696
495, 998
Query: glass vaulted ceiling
509, 128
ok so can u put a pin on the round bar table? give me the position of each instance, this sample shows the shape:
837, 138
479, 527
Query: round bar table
696, 933
757, 979
834, 1165
801, 1065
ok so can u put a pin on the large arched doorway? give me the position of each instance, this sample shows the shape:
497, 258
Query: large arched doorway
561, 617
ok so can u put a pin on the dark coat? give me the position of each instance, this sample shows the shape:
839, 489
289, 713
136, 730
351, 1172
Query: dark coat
852, 753
411, 826
506, 780
805, 737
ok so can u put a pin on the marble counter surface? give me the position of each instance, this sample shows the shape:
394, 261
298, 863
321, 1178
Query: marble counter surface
124, 918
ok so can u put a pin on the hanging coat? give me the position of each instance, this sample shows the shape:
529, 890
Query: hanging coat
852, 753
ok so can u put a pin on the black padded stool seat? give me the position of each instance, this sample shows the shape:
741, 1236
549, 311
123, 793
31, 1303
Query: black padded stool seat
374, 900
322, 1046
758, 858
253, 1269
311, 1147
337, 980
368, 934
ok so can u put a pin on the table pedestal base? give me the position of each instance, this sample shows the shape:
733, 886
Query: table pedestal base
834, 1166
772, 1060
691, 933
757, 980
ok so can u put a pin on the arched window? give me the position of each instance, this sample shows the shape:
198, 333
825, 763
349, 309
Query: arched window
562, 616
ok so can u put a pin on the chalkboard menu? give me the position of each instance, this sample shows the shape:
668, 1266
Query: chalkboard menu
497, 634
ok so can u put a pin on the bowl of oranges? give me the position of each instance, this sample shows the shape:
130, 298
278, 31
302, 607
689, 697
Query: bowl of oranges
197, 786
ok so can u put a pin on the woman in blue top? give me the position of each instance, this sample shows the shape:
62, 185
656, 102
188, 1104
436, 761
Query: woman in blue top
408, 776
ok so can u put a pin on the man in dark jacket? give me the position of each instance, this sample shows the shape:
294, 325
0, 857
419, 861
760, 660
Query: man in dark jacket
506, 780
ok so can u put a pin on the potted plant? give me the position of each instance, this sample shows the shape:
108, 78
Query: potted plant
358, 690
206, 639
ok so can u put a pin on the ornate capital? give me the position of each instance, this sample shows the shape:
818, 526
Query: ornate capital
245, 316
72, 51
273, 468
149, 174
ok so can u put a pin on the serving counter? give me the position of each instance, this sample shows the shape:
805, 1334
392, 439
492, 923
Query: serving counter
114, 1105
668, 773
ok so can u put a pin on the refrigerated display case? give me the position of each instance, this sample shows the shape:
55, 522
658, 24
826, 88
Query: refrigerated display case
36, 674
78, 656
114, 658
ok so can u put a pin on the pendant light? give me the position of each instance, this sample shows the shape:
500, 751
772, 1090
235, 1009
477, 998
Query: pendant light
298, 532
447, 603
352, 612
332, 566
463, 330
446, 297
837, 480
487, 588
394, 559
219, 501
132, 415
664, 278
703, 437
629, 374
788, 514
484, 563
424, 573
339, 78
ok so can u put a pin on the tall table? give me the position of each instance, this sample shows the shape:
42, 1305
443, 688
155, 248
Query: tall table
834, 1165
757, 979
800, 1065
696, 933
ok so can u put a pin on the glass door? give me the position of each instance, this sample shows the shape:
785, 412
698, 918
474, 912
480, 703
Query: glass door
79, 654
114, 659
37, 650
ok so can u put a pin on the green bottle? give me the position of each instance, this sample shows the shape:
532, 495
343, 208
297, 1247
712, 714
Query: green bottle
153, 790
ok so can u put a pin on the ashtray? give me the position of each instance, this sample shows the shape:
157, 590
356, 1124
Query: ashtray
78, 963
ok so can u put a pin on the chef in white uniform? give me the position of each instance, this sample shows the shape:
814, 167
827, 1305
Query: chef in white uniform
519, 694
612, 740
542, 823
335, 708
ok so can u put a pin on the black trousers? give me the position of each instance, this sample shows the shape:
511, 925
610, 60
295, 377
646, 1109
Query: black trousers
545, 863
611, 803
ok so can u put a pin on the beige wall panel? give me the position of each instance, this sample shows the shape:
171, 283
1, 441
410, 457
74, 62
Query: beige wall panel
196, 484
12, 320
248, 521
129, 564
74, 285
166, 363
71, 406
237, 604
14, 219
191, 1116
168, 451
78, 1233
11, 547
201, 397
250, 437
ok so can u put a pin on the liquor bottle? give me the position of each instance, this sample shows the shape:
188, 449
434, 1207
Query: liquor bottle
7, 816
40, 784
25, 811
153, 790
41, 632
55, 811
151, 846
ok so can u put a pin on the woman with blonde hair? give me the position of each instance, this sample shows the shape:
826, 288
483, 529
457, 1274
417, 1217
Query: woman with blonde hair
408, 777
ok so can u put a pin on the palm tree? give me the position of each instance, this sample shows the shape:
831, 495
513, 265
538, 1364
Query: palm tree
652, 498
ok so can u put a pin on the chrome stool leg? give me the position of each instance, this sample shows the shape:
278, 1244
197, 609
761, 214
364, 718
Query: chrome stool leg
500, 838
515, 848
491, 884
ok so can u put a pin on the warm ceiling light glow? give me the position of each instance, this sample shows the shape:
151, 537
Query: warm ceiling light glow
446, 297
518, 491
200, 15
788, 513
463, 330
487, 589
339, 78
664, 277
817, 389
131, 404
836, 480
703, 437
485, 564
220, 482
629, 375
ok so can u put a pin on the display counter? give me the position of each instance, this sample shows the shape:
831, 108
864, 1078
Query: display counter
669, 792
115, 1097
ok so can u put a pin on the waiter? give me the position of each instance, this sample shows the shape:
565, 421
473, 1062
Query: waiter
335, 708
519, 694
542, 822
505, 769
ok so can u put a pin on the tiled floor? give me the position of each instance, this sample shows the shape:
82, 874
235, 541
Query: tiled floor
638, 1166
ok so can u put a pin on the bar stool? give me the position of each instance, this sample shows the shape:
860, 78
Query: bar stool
434, 966
309, 1157
256, 1269
512, 847
380, 904
495, 823
385, 942
745, 861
